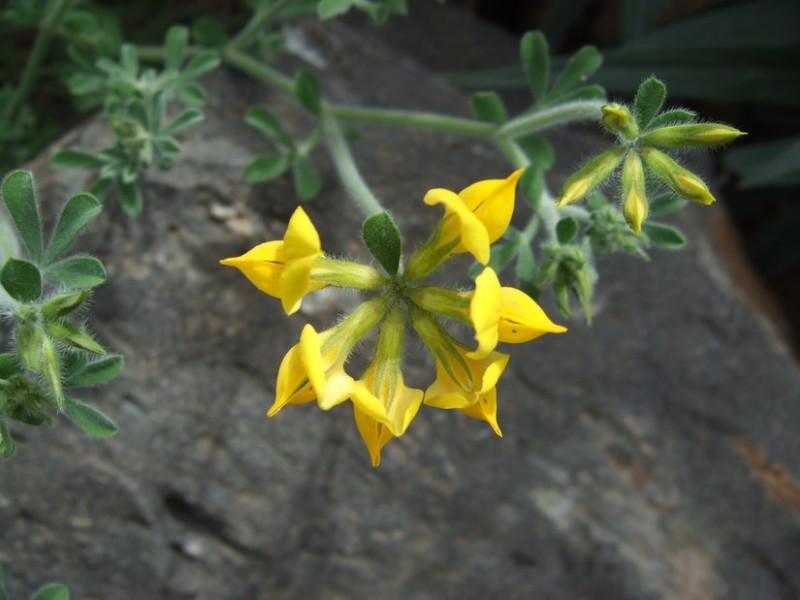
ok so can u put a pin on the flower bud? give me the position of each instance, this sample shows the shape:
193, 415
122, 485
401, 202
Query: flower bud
634, 199
589, 176
680, 180
618, 119
696, 135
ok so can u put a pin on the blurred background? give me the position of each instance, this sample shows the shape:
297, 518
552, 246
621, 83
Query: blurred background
733, 61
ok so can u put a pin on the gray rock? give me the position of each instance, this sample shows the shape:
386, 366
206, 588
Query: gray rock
649, 456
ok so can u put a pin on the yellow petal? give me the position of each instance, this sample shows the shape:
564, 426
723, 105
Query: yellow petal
485, 409
301, 238
460, 223
522, 319
292, 386
375, 435
444, 392
296, 282
311, 358
338, 388
492, 202
487, 371
484, 312
263, 266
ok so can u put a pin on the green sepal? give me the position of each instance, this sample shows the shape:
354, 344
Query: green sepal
677, 116
666, 204
306, 181
382, 238
7, 449
72, 335
308, 91
663, 236
266, 167
76, 272
489, 107
93, 422
566, 230
50, 369
95, 372
30, 341
73, 159
649, 99
263, 120
63, 304
19, 194
535, 58
78, 212
130, 197
579, 67
22, 280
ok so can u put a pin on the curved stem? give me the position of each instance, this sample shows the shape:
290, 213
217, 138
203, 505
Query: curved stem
423, 120
346, 167
55, 13
256, 22
579, 110
257, 69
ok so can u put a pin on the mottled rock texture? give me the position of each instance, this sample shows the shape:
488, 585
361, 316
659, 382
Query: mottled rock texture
653, 455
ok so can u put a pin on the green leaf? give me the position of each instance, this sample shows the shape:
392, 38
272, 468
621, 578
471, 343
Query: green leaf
76, 272
664, 236
577, 70
649, 99
666, 204
130, 197
78, 212
585, 92
566, 230
266, 167
8, 365
96, 372
306, 181
526, 272
676, 116
768, 164
52, 591
93, 422
19, 194
328, 9
175, 47
488, 106
72, 159
183, 121
201, 63
535, 56
502, 254
382, 238
192, 94
532, 185
7, 445
308, 91
22, 280
263, 120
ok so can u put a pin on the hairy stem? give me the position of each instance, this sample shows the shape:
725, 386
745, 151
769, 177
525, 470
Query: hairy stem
256, 22
346, 167
423, 120
539, 120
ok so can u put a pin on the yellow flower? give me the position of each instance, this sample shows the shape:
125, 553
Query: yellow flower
679, 179
474, 218
485, 409
283, 268
634, 198
314, 368
374, 433
522, 319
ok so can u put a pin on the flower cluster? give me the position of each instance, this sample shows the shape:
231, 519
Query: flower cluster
466, 377
643, 132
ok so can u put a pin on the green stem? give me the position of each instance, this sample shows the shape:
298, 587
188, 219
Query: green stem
52, 18
256, 22
579, 110
257, 69
346, 167
423, 120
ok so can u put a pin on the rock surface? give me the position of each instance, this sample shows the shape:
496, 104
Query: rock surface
653, 455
